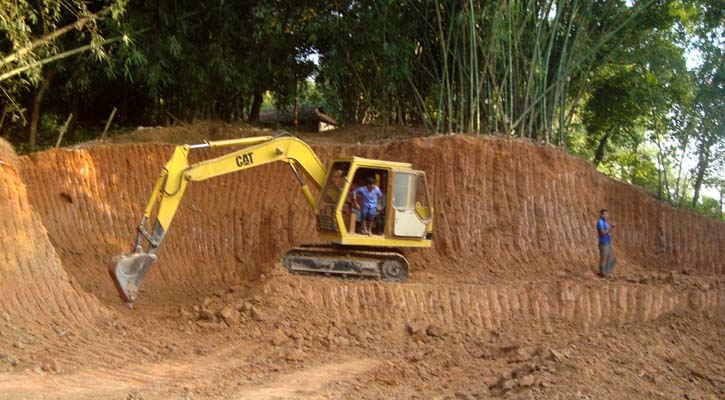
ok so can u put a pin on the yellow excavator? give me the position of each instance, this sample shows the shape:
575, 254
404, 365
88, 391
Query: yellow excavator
405, 217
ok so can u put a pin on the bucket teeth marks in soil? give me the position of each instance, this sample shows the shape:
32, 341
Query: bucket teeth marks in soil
485, 308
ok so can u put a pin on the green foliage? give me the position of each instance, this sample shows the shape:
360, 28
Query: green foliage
518, 67
645, 96
710, 207
49, 126
205, 60
36, 34
308, 95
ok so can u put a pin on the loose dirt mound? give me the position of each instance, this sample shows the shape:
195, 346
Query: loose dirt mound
513, 260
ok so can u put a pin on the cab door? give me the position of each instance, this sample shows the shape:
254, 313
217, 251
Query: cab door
410, 204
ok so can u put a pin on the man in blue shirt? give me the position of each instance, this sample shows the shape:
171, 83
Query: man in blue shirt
370, 205
606, 253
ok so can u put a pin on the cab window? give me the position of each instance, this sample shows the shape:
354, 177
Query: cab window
421, 198
410, 193
404, 190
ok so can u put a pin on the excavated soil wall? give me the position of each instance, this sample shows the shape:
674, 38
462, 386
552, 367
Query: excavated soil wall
34, 287
504, 209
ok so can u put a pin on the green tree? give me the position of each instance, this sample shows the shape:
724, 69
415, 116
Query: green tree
709, 111
37, 34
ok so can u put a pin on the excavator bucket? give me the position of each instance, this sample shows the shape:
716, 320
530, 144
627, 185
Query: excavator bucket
127, 273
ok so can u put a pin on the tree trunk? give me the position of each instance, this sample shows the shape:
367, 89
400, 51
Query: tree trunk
662, 170
256, 106
681, 200
680, 191
659, 175
599, 154
697, 185
294, 115
702, 163
35, 116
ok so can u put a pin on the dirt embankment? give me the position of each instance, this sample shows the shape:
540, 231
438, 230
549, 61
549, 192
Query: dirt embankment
512, 266
504, 210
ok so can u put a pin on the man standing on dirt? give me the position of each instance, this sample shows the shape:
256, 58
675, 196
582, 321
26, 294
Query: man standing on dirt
370, 194
606, 253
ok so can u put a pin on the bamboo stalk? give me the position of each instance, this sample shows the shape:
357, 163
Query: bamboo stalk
108, 123
560, 94
511, 68
534, 55
56, 57
53, 35
474, 70
591, 51
444, 54
62, 130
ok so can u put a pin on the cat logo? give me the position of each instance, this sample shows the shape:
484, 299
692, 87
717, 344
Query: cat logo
244, 159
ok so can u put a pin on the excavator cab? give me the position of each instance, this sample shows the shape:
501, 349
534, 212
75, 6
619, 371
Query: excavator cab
405, 215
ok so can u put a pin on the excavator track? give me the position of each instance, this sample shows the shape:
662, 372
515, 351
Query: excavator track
355, 262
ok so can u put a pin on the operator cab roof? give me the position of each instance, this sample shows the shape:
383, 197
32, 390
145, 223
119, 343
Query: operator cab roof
376, 163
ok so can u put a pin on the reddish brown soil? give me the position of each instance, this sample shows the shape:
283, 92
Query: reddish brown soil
505, 304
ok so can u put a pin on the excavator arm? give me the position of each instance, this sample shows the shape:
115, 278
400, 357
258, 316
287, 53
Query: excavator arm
128, 271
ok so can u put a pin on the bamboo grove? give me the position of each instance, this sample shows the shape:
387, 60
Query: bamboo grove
510, 67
